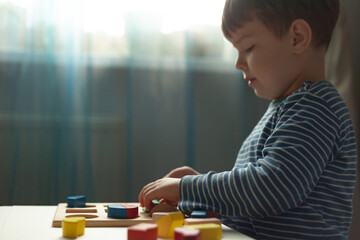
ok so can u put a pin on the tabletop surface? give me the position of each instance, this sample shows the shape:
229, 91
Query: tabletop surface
34, 222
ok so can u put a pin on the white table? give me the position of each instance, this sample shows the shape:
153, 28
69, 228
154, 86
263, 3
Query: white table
34, 222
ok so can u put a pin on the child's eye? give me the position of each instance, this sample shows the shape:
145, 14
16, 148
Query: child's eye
248, 50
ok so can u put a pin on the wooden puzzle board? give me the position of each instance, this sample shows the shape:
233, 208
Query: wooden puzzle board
96, 215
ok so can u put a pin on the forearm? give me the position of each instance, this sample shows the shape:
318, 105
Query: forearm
181, 172
247, 192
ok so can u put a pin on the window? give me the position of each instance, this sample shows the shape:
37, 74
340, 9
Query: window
114, 28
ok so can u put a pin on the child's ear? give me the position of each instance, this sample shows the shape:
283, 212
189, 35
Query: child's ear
301, 35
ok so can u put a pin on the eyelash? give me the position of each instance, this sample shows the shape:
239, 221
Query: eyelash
248, 50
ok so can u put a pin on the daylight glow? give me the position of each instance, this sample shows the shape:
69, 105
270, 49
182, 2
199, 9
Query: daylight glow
109, 16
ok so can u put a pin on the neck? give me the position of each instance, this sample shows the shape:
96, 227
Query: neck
312, 68
314, 65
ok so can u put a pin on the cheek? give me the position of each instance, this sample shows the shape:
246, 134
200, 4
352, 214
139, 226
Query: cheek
272, 63
262, 64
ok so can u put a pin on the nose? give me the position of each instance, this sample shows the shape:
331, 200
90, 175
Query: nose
241, 63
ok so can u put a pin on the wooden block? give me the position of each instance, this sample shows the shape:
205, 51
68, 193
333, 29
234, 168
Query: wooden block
123, 211
96, 215
186, 234
158, 215
202, 214
132, 211
116, 211
211, 214
167, 224
192, 221
143, 231
163, 207
73, 227
198, 214
208, 231
76, 201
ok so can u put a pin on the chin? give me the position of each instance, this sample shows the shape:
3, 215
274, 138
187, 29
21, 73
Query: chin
262, 95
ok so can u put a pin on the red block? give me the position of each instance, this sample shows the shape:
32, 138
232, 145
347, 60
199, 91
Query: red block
132, 211
143, 231
187, 234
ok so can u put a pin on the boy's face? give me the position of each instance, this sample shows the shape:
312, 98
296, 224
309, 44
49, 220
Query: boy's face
267, 61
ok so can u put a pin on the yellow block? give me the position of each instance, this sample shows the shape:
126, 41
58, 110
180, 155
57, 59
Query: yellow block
156, 216
208, 231
167, 224
192, 221
73, 227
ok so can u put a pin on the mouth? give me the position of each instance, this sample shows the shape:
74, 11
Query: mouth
250, 80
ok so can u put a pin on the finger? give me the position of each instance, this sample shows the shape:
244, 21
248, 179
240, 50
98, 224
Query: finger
148, 197
168, 175
144, 191
141, 196
149, 188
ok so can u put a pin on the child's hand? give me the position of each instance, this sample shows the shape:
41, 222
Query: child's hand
181, 171
164, 189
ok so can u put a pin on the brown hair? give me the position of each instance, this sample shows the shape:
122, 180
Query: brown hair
278, 15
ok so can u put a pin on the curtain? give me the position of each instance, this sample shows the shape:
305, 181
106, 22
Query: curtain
101, 97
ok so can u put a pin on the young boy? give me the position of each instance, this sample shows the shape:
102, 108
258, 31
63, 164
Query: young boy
295, 173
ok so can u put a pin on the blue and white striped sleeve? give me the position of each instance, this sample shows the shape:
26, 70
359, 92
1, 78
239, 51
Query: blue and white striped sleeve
291, 151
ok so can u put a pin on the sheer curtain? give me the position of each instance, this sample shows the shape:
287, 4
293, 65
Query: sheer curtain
101, 97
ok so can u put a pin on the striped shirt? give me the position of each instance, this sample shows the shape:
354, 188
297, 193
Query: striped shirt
294, 175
